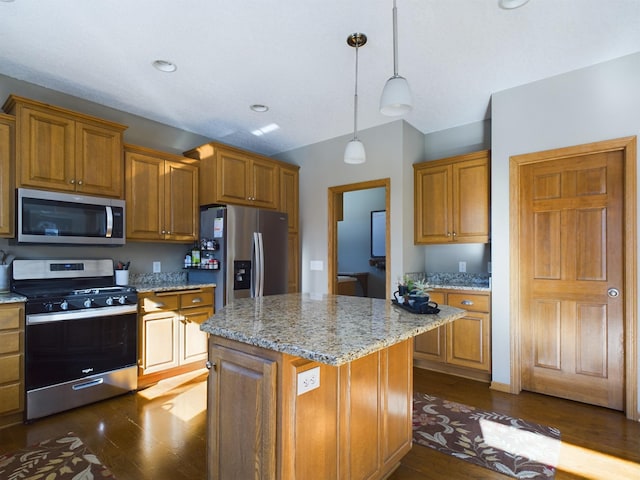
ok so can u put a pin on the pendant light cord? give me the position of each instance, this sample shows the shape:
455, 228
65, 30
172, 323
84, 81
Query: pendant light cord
355, 98
395, 39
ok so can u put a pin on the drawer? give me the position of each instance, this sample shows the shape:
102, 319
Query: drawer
10, 318
10, 368
159, 301
196, 299
10, 396
437, 297
9, 342
469, 301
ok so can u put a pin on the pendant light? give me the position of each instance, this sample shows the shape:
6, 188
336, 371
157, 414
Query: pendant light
396, 95
354, 152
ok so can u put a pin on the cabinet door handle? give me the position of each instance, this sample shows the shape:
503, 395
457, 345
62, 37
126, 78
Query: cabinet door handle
72, 181
466, 302
79, 182
210, 365
455, 234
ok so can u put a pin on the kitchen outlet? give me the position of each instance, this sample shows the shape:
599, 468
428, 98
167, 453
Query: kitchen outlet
462, 267
157, 268
308, 380
316, 265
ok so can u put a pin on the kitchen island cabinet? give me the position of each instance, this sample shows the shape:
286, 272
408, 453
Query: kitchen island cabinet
321, 386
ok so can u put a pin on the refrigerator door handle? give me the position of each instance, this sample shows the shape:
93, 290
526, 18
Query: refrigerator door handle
260, 262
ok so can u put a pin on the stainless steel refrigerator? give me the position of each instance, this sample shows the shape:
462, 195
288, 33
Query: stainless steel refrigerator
252, 250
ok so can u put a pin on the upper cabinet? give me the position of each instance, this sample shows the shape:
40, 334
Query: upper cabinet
57, 149
162, 196
234, 176
289, 194
452, 199
7, 195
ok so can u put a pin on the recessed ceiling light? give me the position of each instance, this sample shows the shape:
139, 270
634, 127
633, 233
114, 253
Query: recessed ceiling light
165, 66
511, 4
257, 107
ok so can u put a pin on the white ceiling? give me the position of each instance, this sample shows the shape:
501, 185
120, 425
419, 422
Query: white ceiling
292, 55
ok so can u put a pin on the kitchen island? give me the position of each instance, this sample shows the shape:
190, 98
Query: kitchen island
307, 386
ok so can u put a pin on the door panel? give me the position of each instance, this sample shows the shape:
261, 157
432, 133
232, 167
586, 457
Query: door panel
572, 333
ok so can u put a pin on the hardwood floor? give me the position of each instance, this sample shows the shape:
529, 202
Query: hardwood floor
160, 432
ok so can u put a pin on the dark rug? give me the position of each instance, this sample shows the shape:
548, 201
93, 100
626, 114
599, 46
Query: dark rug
60, 458
507, 445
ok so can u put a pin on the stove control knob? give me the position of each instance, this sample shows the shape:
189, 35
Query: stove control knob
87, 303
109, 301
48, 307
64, 305
122, 300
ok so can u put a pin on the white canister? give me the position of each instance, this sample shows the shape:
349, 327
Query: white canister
122, 277
4, 278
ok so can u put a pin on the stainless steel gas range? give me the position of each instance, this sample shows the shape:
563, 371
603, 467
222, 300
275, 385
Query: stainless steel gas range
80, 334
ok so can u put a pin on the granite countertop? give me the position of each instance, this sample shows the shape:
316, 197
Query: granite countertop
330, 329
466, 288
168, 286
11, 297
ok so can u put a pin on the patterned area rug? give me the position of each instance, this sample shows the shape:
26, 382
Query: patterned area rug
508, 445
60, 459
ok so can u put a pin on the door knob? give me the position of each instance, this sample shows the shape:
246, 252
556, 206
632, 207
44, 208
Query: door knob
613, 292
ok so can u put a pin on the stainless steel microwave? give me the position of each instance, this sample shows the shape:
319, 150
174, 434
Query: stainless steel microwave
66, 218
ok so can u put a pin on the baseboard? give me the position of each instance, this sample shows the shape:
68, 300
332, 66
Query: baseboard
500, 387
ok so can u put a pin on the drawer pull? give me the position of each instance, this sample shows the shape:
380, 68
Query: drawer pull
466, 302
196, 300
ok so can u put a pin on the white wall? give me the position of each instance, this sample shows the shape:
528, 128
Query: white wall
597, 103
391, 150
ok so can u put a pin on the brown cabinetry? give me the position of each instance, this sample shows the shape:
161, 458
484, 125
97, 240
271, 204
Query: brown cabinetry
11, 363
452, 199
161, 195
171, 341
462, 347
289, 201
57, 149
7, 181
234, 176
360, 412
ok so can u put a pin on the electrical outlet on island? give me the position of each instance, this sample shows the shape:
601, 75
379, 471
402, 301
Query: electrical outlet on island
157, 268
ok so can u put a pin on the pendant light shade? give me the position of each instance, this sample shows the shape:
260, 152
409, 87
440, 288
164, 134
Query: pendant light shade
354, 152
396, 96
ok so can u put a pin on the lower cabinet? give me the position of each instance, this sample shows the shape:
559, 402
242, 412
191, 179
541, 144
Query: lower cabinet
171, 341
353, 422
462, 347
11, 363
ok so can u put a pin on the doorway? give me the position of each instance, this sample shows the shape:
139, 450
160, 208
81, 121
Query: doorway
336, 214
573, 273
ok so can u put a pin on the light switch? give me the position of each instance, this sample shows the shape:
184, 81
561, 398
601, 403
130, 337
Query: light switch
316, 265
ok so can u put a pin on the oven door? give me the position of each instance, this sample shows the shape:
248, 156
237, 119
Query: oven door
60, 347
